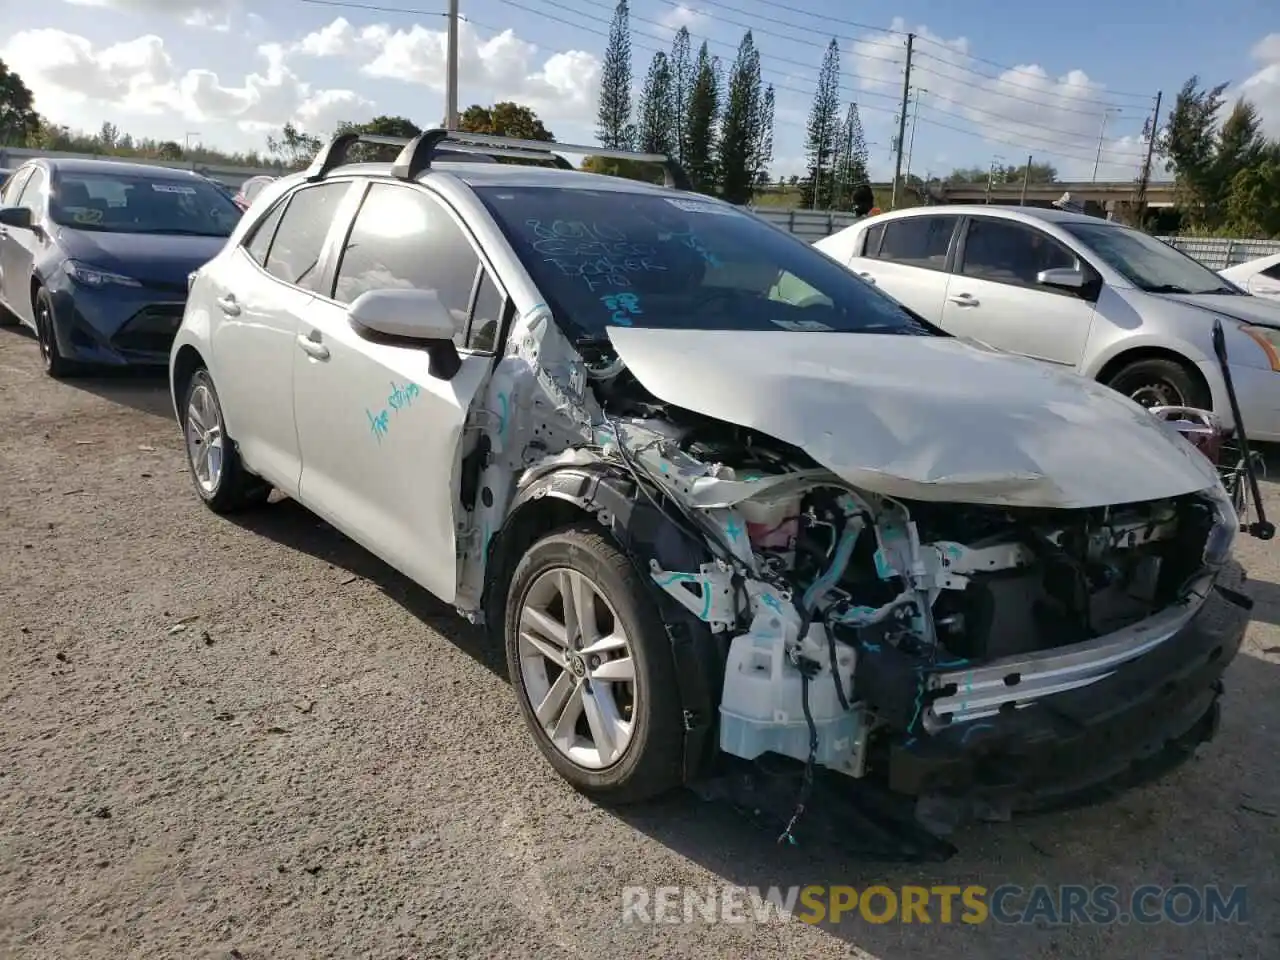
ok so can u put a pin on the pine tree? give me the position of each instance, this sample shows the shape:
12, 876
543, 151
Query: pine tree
849, 169
739, 134
700, 149
682, 89
764, 138
823, 130
615, 130
657, 129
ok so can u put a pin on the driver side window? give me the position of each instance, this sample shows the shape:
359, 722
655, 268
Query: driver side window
1013, 253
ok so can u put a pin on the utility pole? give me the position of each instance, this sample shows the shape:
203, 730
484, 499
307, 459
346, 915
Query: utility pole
1144, 178
991, 176
902, 121
911, 141
1026, 177
451, 80
1106, 112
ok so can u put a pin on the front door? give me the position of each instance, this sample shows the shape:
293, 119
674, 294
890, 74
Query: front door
380, 433
19, 248
994, 295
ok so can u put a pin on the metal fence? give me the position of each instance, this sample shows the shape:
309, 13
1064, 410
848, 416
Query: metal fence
810, 225
1218, 253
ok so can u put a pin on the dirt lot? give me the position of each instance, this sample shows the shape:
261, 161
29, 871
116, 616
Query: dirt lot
251, 739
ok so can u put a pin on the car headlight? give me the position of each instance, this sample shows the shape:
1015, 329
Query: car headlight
93, 277
1226, 525
1268, 339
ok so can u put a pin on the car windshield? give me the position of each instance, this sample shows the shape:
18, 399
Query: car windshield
608, 257
136, 203
1149, 264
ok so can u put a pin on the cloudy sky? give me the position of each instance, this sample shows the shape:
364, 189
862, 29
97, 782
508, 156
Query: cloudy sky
994, 79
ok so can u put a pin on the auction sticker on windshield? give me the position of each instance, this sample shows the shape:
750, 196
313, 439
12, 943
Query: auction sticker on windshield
697, 206
173, 188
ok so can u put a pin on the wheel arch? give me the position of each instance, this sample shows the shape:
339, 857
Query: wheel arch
1136, 354
612, 499
185, 363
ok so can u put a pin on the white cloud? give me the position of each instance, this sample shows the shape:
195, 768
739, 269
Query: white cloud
563, 87
69, 76
1019, 111
682, 16
213, 14
1263, 87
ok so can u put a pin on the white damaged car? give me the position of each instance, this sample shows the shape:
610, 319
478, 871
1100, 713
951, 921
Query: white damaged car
717, 496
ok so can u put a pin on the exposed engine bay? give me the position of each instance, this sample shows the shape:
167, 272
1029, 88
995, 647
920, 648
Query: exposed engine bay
851, 600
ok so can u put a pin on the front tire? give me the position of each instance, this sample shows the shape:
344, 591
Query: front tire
217, 472
592, 668
1158, 382
55, 365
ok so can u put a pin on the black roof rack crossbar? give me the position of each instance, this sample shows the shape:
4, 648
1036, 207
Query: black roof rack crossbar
417, 155
334, 153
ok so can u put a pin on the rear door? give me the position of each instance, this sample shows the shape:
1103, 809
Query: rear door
380, 433
258, 294
994, 295
907, 257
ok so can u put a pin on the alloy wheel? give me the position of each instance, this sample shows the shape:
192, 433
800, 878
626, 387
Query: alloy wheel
44, 334
205, 438
577, 668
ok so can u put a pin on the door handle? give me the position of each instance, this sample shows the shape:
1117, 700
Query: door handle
867, 277
963, 299
312, 346
229, 305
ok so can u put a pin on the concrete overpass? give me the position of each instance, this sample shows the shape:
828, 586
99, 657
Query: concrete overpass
1098, 198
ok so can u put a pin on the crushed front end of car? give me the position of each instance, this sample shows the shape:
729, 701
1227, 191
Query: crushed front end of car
896, 587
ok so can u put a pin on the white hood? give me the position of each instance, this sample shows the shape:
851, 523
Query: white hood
926, 418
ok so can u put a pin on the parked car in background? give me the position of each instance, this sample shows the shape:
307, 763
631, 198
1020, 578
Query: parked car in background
1260, 277
717, 497
95, 256
1102, 299
250, 189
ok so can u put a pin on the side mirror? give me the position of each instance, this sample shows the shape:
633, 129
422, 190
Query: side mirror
17, 217
408, 318
1061, 277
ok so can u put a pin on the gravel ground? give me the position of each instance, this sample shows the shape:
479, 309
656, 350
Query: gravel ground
251, 739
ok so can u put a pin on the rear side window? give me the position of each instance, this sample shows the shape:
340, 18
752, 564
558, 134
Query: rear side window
403, 238
918, 241
294, 256
1273, 271
259, 242
871, 241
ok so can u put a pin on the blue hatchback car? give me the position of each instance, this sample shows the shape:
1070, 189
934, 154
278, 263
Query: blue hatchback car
95, 256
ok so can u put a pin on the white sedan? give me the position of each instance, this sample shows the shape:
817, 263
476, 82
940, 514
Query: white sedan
1261, 276
1104, 300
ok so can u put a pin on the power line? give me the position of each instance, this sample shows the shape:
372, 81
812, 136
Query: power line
991, 113
790, 24
1012, 96
720, 43
984, 135
1005, 66
374, 8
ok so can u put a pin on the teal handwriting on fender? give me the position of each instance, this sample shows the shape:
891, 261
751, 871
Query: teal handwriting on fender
400, 398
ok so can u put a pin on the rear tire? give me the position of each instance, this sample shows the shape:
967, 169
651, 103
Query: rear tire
219, 476
595, 681
1158, 381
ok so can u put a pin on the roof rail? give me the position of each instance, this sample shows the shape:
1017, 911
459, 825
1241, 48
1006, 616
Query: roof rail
416, 154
